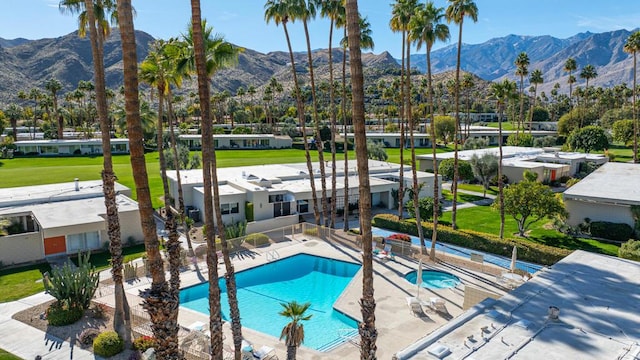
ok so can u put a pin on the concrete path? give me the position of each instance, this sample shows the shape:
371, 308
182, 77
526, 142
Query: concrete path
27, 342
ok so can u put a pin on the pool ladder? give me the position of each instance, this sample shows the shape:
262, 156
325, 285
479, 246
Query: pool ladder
272, 255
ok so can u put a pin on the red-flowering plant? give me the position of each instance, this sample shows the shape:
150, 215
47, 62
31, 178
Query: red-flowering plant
144, 342
400, 237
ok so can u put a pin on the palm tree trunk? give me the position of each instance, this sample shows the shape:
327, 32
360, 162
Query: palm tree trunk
454, 184
521, 116
158, 301
291, 352
434, 147
302, 120
332, 114
122, 327
402, 112
635, 114
215, 320
500, 183
316, 122
345, 214
367, 328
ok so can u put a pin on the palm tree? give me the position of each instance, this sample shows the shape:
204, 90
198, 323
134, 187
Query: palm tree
332, 10
53, 86
14, 113
570, 66
427, 28
279, 11
588, 72
401, 15
87, 10
467, 84
522, 70
633, 46
456, 12
536, 79
293, 332
367, 328
502, 92
160, 303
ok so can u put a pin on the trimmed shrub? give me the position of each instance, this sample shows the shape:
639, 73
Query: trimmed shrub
311, 232
527, 251
630, 250
611, 231
144, 342
87, 336
108, 344
60, 314
257, 239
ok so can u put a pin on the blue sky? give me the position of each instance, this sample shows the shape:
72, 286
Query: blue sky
242, 21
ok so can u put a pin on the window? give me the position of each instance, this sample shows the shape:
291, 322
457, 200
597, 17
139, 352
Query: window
276, 198
226, 209
84, 241
303, 206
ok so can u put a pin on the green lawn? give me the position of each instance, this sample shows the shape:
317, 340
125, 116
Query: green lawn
506, 125
102, 260
4, 355
485, 219
20, 282
493, 190
462, 197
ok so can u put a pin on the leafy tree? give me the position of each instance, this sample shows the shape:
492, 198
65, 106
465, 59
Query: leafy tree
445, 128
540, 114
484, 167
185, 159
376, 151
293, 332
241, 130
520, 140
464, 169
546, 141
476, 143
529, 202
623, 131
425, 206
589, 138
574, 118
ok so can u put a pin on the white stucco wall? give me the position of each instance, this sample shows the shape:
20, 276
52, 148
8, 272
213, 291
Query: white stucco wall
21, 248
579, 210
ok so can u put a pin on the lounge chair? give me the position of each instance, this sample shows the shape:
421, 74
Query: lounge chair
386, 254
438, 305
265, 352
415, 308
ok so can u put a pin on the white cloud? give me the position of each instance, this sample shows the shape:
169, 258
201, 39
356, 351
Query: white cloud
607, 23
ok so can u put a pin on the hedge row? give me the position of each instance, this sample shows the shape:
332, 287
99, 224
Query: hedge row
527, 251
611, 231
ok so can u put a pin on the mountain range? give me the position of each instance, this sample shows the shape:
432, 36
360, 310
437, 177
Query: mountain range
25, 64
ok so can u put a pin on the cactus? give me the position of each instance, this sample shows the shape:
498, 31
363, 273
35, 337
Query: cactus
130, 271
71, 286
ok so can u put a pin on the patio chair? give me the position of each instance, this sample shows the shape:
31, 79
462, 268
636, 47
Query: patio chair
265, 352
438, 305
415, 308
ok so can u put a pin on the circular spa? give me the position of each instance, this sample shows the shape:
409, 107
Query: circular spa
432, 279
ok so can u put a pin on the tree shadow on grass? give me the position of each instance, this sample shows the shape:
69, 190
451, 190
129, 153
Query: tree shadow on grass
568, 242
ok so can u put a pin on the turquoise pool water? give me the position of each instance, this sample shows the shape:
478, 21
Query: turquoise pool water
434, 279
303, 278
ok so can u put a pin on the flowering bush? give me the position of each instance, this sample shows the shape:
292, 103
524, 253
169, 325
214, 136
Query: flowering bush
400, 237
144, 342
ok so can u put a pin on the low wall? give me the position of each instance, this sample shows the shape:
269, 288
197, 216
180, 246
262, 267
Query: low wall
21, 248
270, 224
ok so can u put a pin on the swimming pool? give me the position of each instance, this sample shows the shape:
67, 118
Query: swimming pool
432, 279
302, 278
464, 252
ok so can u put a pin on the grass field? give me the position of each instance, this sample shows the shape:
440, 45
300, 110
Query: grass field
486, 220
4, 355
20, 282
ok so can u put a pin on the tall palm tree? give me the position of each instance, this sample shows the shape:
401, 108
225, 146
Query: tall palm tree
570, 66
305, 10
536, 79
427, 28
400, 17
14, 113
367, 328
522, 70
87, 10
502, 92
456, 12
279, 12
467, 85
633, 46
54, 86
588, 72
160, 303
293, 332
332, 9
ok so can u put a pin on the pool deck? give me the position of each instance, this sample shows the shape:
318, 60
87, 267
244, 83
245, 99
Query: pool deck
397, 326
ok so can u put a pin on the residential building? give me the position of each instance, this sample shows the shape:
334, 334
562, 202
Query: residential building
239, 141
606, 194
271, 196
69, 147
61, 219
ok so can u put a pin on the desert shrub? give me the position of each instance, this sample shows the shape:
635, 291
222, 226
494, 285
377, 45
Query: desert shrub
630, 250
311, 232
73, 286
257, 239
144, 342
61, 314
87, 336
400, 237
108, 344
571, 182
611, 231
527, 251
99, 311
494, 180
